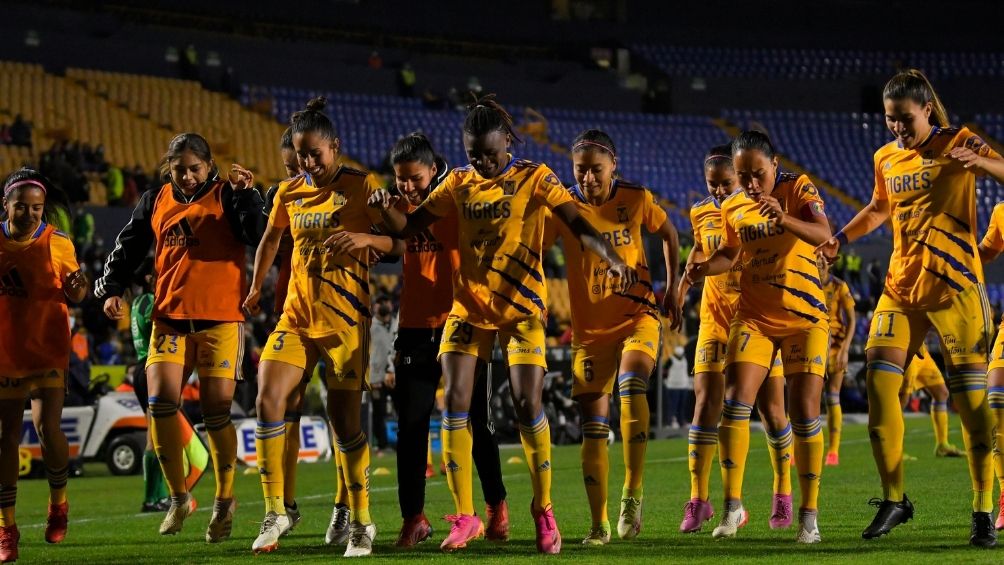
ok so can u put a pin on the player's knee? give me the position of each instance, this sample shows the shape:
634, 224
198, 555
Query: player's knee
270, 407
48, 433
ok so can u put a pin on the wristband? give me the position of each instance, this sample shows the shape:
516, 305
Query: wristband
841, 237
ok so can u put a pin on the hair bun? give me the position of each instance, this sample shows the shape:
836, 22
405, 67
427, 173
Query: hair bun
317, 104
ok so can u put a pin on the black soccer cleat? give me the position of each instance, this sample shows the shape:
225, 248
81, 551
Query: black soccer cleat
983, 533
890, 514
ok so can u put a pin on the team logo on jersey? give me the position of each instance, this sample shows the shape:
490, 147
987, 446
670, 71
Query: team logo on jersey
509, 187
181, 234
551, 179
622, 215
338, 198
12, 285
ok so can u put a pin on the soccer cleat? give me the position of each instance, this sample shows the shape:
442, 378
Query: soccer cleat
983, 534
55, 522
548, 536
731, 521
1000, 513
808, 529
598, 535
9, 536
176, 514
222, 522
780, 511
160, 506
293, 513
832, 459
908, 457
695, 513
497, 529
463, 529
338, 529
414, 531
360, 540
271, 530
947, 450
429, 471
890, 514
629, 521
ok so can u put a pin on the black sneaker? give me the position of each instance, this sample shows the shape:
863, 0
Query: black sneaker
160, 506
983, 532
890, 515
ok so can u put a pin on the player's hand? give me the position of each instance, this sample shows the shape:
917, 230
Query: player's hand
966, 156
672, 308
695, 272
115, 307
842, 360
346, 242
375, 257
771, 209
240, 178
627, 276
251, 306
828, 249
382, 199
76, 281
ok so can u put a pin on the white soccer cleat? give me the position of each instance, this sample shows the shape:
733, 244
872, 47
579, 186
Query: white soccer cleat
271, 528
176, 514
629, 522
222, 522
338, 529
732, 520
360, 540
293, 513
808, 529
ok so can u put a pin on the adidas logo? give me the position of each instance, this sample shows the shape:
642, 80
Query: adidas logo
785, 457
728, 464
537, 351
693, 454
817, 360
545, 466
225, 364
640, 437
811, 476
12, 285
452, 466
590, 481
356, 487
350, 375
649, 345
264, 472
424, 242
181, 234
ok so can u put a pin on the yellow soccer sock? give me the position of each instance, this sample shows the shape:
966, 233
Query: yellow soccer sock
356, 459
885, 425
223, 450
969, 394
458, 443
809, 459
596, 466
428, 460
341, 486
57, 483
634, 430
995, 398
536, 439
166, 434
834, 421
779, 447
8, 497
292, 457
702, 443
939, 421
733, 447
270, 443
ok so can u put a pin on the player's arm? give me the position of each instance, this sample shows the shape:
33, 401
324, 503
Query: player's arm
593, 241
810, 225
852, 319
244, 207
131, 247
983, 161
263, 258
720, 261
671, 254
347, 242
873, 215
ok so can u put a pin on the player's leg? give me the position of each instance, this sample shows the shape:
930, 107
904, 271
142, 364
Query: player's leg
294, 411
995, 398
47, 397
636, 366
939, 420
216, 395
155, 497
770, 403
164, 379
12, 396
486, 456
459, 372
595, 414
834, 413
702, 438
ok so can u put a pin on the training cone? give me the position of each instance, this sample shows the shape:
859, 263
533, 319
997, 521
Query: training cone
515, 460
381, 472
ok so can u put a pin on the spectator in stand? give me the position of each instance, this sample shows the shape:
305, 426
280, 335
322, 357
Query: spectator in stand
382, 333
20, 132
83, 231
854, 268
406, 81
677, 389
115, 183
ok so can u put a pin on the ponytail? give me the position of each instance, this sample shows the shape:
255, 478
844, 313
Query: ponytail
912, 84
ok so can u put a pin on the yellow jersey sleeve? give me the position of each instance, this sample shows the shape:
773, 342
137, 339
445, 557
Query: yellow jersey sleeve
994, 238
440, 201
64, 257
653, 215
549, 190
279, 216
373, 184
729, 236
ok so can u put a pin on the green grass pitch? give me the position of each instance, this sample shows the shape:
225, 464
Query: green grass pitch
105, 526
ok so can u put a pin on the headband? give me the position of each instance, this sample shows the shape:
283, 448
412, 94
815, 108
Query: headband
20, 183
713, 157
579, 145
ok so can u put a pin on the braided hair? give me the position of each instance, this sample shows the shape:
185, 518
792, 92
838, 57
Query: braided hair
485, 115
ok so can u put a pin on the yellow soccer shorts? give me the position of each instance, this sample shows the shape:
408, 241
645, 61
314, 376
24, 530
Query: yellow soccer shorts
922, 373
802, 351
20, 388
712, 345
964, 326
522, 342
595, 363
346, 355
214, 352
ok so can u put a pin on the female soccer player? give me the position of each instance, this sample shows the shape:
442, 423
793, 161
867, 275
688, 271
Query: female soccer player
774, 222
498, 290
840, 304
38, 274
719, 299
989, 249
616, 336
198, 225
326, 315
925, 182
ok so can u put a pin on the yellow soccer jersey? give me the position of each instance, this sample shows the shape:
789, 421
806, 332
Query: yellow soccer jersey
781, 290
501, 221
721, 292
328, 292
838, 297
932, 202
994, 238
597, 310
